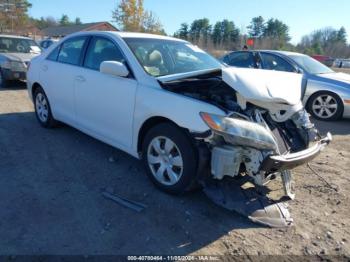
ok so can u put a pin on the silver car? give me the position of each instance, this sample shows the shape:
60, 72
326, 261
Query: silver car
326, 93
15, 55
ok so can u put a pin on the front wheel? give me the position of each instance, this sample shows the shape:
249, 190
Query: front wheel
170, 158
325, 106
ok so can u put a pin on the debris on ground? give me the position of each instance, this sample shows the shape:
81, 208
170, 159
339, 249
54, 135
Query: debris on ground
136, 206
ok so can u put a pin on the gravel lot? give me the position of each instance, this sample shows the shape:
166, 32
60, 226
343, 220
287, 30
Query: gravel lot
51, 203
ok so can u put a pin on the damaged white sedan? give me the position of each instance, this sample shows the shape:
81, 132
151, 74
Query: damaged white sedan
192, 120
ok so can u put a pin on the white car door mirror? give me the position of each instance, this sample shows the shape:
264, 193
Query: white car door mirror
114, 68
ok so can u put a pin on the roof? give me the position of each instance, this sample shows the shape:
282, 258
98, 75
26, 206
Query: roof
70, 29
145, 35
15, 36
286, 53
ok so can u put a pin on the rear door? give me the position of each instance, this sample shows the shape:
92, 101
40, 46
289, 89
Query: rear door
57, 74
105, 103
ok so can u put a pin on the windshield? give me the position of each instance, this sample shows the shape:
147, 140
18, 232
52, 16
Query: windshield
311, 65
18, 45
167, 57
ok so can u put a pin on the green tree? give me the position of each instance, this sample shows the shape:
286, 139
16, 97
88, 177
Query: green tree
229, 32
78, 21
341, 35
257, 27
217, 34
64, 21
183, 32
225, 34
131, 16
44, 22
200, 30
277, 29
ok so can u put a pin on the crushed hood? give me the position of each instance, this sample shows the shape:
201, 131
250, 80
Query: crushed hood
264, 86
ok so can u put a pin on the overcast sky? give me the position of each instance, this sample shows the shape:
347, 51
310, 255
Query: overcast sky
302, 16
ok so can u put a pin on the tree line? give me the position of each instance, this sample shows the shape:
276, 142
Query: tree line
45, 22
266, 34
131, 15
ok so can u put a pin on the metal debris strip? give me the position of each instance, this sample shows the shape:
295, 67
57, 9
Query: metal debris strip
136, 206
321, 178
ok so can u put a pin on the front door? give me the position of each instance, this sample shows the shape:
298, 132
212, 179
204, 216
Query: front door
105, 103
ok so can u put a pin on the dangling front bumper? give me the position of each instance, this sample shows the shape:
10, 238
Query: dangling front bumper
278, 163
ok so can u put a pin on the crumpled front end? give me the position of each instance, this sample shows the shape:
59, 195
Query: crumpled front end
264, 132
261, 148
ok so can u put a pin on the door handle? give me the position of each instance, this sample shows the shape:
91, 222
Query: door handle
45, 68
80, 79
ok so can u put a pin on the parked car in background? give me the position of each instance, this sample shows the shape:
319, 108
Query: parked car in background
15, 55
171, 104
342, 63
326, 94
44, 44
326, 60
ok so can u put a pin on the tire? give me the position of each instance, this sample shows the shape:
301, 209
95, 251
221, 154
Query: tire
42, 109
170, 159
325, 106
3, 81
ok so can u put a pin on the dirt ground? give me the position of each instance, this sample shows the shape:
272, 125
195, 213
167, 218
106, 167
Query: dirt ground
51, 202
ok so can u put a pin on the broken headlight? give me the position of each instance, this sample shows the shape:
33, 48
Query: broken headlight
240, 132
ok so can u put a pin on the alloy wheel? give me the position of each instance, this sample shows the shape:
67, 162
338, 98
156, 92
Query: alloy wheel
165, 161
325, 106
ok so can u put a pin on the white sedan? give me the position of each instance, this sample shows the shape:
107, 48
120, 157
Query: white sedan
171, 104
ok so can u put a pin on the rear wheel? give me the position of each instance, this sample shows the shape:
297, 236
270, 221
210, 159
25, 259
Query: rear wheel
42, 109
325, 106
170, 158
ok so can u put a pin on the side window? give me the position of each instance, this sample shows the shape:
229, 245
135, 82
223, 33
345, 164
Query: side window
71, 51
54, 54
242, 59
100, 50
43, 44
273, 62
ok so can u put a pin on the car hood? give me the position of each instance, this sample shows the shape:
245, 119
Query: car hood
337, 78
265, 86
21, 57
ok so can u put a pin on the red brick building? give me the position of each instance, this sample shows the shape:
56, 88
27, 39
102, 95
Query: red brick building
62, 31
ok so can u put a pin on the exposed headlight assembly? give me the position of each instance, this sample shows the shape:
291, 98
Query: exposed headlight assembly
240, 132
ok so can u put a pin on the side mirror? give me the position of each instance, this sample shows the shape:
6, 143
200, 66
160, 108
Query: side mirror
300, 71
114, 68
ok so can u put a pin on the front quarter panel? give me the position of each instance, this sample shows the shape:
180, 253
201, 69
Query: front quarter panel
182, 110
